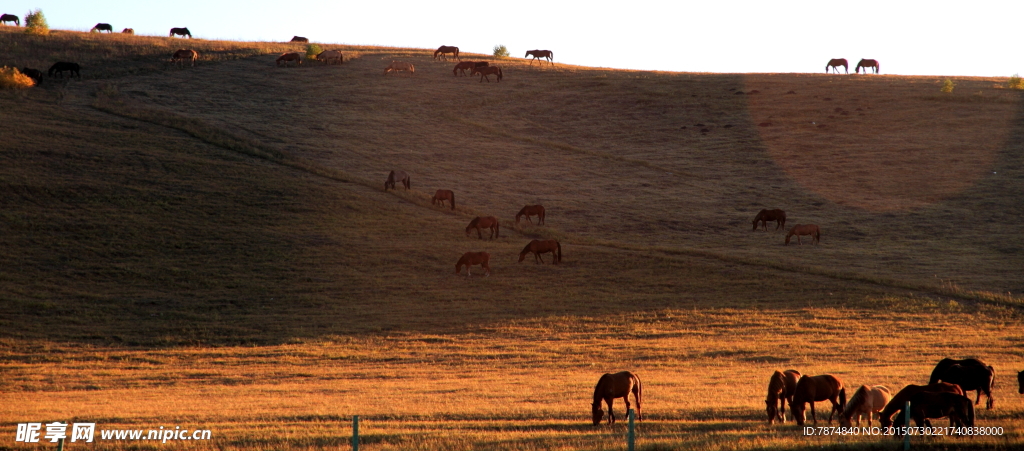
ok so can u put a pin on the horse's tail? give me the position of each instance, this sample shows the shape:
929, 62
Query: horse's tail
453, 200
878, 67
559, 245
497, 229
842, 399
638, 390
817, 235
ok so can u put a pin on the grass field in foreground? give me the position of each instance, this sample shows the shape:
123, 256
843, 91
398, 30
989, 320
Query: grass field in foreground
211, 248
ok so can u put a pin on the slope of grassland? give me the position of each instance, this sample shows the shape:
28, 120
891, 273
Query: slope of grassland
211, 247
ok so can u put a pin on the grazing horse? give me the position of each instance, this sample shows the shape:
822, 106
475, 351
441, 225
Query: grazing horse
397, 176
181, 55
484, 222
618, 385
811, 389
926, 405
835, 63
34, 74
444, 49
474, 258
443, 195
299, 39
531, 210
10, 18
804, 229
866, 64
331, 57
103, 27
865, 401
944, 364
286, 57
542, 246
971, 377
61, 66
897, 402
462, 66
781, 388
488, 70
398, 65
766, 215
1020, 382
540, 54
181, 32
128, 31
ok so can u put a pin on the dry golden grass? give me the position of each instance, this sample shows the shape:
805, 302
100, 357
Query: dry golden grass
223, 257
12, 78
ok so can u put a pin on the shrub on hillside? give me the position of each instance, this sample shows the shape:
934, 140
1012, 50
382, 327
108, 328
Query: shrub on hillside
35, 23
11, 78
312, 50
1015, 82
947, 86
500, 51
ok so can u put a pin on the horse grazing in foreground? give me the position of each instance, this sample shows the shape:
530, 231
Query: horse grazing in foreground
944, 364
180, 32
931, 405
971, 377
397, 176
34, 74
804, 229
398, 65
488, 70
61, 66
542, 246
531, 210
865, 401
835, 63
462, 67
781, 388
811, 389
866, 64
443, 195
185, 54
540, 54
484, 222
10, 18
286, 57
331, 57
444, 49
618, 385
766, 215
897, 402
474, 258
128, 31
299, 39
102, 27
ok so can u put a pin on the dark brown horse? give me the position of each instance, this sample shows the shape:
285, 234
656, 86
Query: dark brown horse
932, 405
805, 229
811, 389
541, 54
835, 63
181, 32
766, 215
900, 399
299, 39
474, 258
34, 74
484, 222
488, 70
443, 195
540, 247
399, 177
944, 364
462, 67
781, 388
61, 66
103, 27
618, 385
10, 18
128, 31
444, 49
971, 377
867, 64
531, 210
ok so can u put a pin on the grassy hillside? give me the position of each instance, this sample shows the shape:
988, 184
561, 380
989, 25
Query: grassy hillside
211, 247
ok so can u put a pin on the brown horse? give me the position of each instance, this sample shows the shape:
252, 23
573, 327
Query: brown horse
295, 57
618, 385
804, 229
488, 70
185, 54
865, 401
541, 54
835, 63
484, 222
61, 66
181, 32
128, 31
897, 402
944, 364
811, 389
444, 49
443, 195
462, 67
331, 57
474, 258
932, 405
103, 27
531, 210
866, 64
396, 66
781, 388
299, 39
970, 377
10, 18
766, 215
397, 176
540, 247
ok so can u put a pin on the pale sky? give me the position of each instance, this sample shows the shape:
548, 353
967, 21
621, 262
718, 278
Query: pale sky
980, 38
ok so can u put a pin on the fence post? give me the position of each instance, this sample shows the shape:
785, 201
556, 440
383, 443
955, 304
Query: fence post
60, 445
631, 435
906, 421
355, 433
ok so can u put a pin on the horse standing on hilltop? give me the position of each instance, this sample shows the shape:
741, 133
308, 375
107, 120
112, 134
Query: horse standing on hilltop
10, 18
611, 386
299, 39
811, 389
781, 388
867, 64
102, 27
835, 63
180, 32
444, 49
548, 54
128, 31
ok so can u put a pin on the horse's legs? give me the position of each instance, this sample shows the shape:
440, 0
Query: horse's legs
536, 257
814, 417
611, 413
478, 234
782, 409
